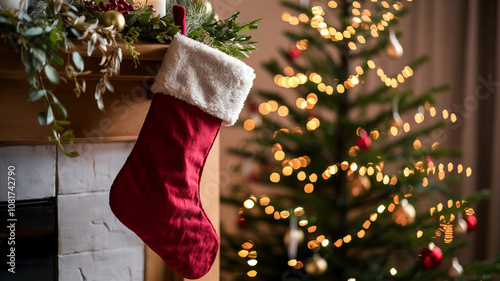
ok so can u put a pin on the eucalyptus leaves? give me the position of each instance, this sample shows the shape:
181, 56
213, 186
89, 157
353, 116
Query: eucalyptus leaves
43, 34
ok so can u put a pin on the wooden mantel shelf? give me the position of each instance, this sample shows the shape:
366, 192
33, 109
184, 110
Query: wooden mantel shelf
125, 109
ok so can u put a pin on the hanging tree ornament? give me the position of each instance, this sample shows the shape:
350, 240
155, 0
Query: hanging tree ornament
460, 225
304, 3
294, 53
404, 213
430, 257
358, 184
295, 234
471, 223
254, 114
430, 165
363, 141
113, 18
247, 169
456, 269
395, 125
316, 265
396, 122
394, 48
294, 237
242, 222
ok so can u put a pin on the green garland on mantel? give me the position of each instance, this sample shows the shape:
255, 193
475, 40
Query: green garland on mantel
42, 34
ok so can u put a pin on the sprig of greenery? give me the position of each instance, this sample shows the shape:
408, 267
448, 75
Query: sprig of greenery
41, 33
226, 37
140, 25
223, 35
40, 36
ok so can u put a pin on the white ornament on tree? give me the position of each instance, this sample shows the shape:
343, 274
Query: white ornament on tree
316, 265
456, 269
405, 213
394, 48
460, 226
296, 234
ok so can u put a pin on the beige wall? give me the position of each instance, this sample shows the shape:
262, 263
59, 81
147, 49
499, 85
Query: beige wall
271, 39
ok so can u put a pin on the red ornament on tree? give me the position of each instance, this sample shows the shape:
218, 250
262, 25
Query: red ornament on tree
471, 223
294, 53
363, 141
242, 222
430, 257
266, 168
430, 164
253, 107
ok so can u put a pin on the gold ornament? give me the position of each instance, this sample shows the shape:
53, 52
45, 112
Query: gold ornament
404, 214
316, 265
397, 123
358, 184
394, 48
207, 5
460, 227
113, 18
299, 234
455, 270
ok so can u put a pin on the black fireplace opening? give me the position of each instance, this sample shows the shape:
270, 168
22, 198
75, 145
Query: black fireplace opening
28, 244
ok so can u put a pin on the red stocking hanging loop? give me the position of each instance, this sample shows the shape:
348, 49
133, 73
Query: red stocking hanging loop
180, 17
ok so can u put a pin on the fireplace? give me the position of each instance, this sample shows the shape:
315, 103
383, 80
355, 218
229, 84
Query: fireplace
64, 228
29, 244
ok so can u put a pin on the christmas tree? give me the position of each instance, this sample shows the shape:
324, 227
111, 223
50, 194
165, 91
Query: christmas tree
355, 188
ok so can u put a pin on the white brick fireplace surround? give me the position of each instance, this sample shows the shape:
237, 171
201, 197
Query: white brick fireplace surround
92, 243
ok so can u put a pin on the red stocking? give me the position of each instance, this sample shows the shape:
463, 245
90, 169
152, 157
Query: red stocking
156, 193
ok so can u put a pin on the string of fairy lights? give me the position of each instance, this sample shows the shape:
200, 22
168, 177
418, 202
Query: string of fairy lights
289, 80
361, 26
294, 164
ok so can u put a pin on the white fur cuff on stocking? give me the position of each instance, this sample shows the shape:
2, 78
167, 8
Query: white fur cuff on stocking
205, 77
